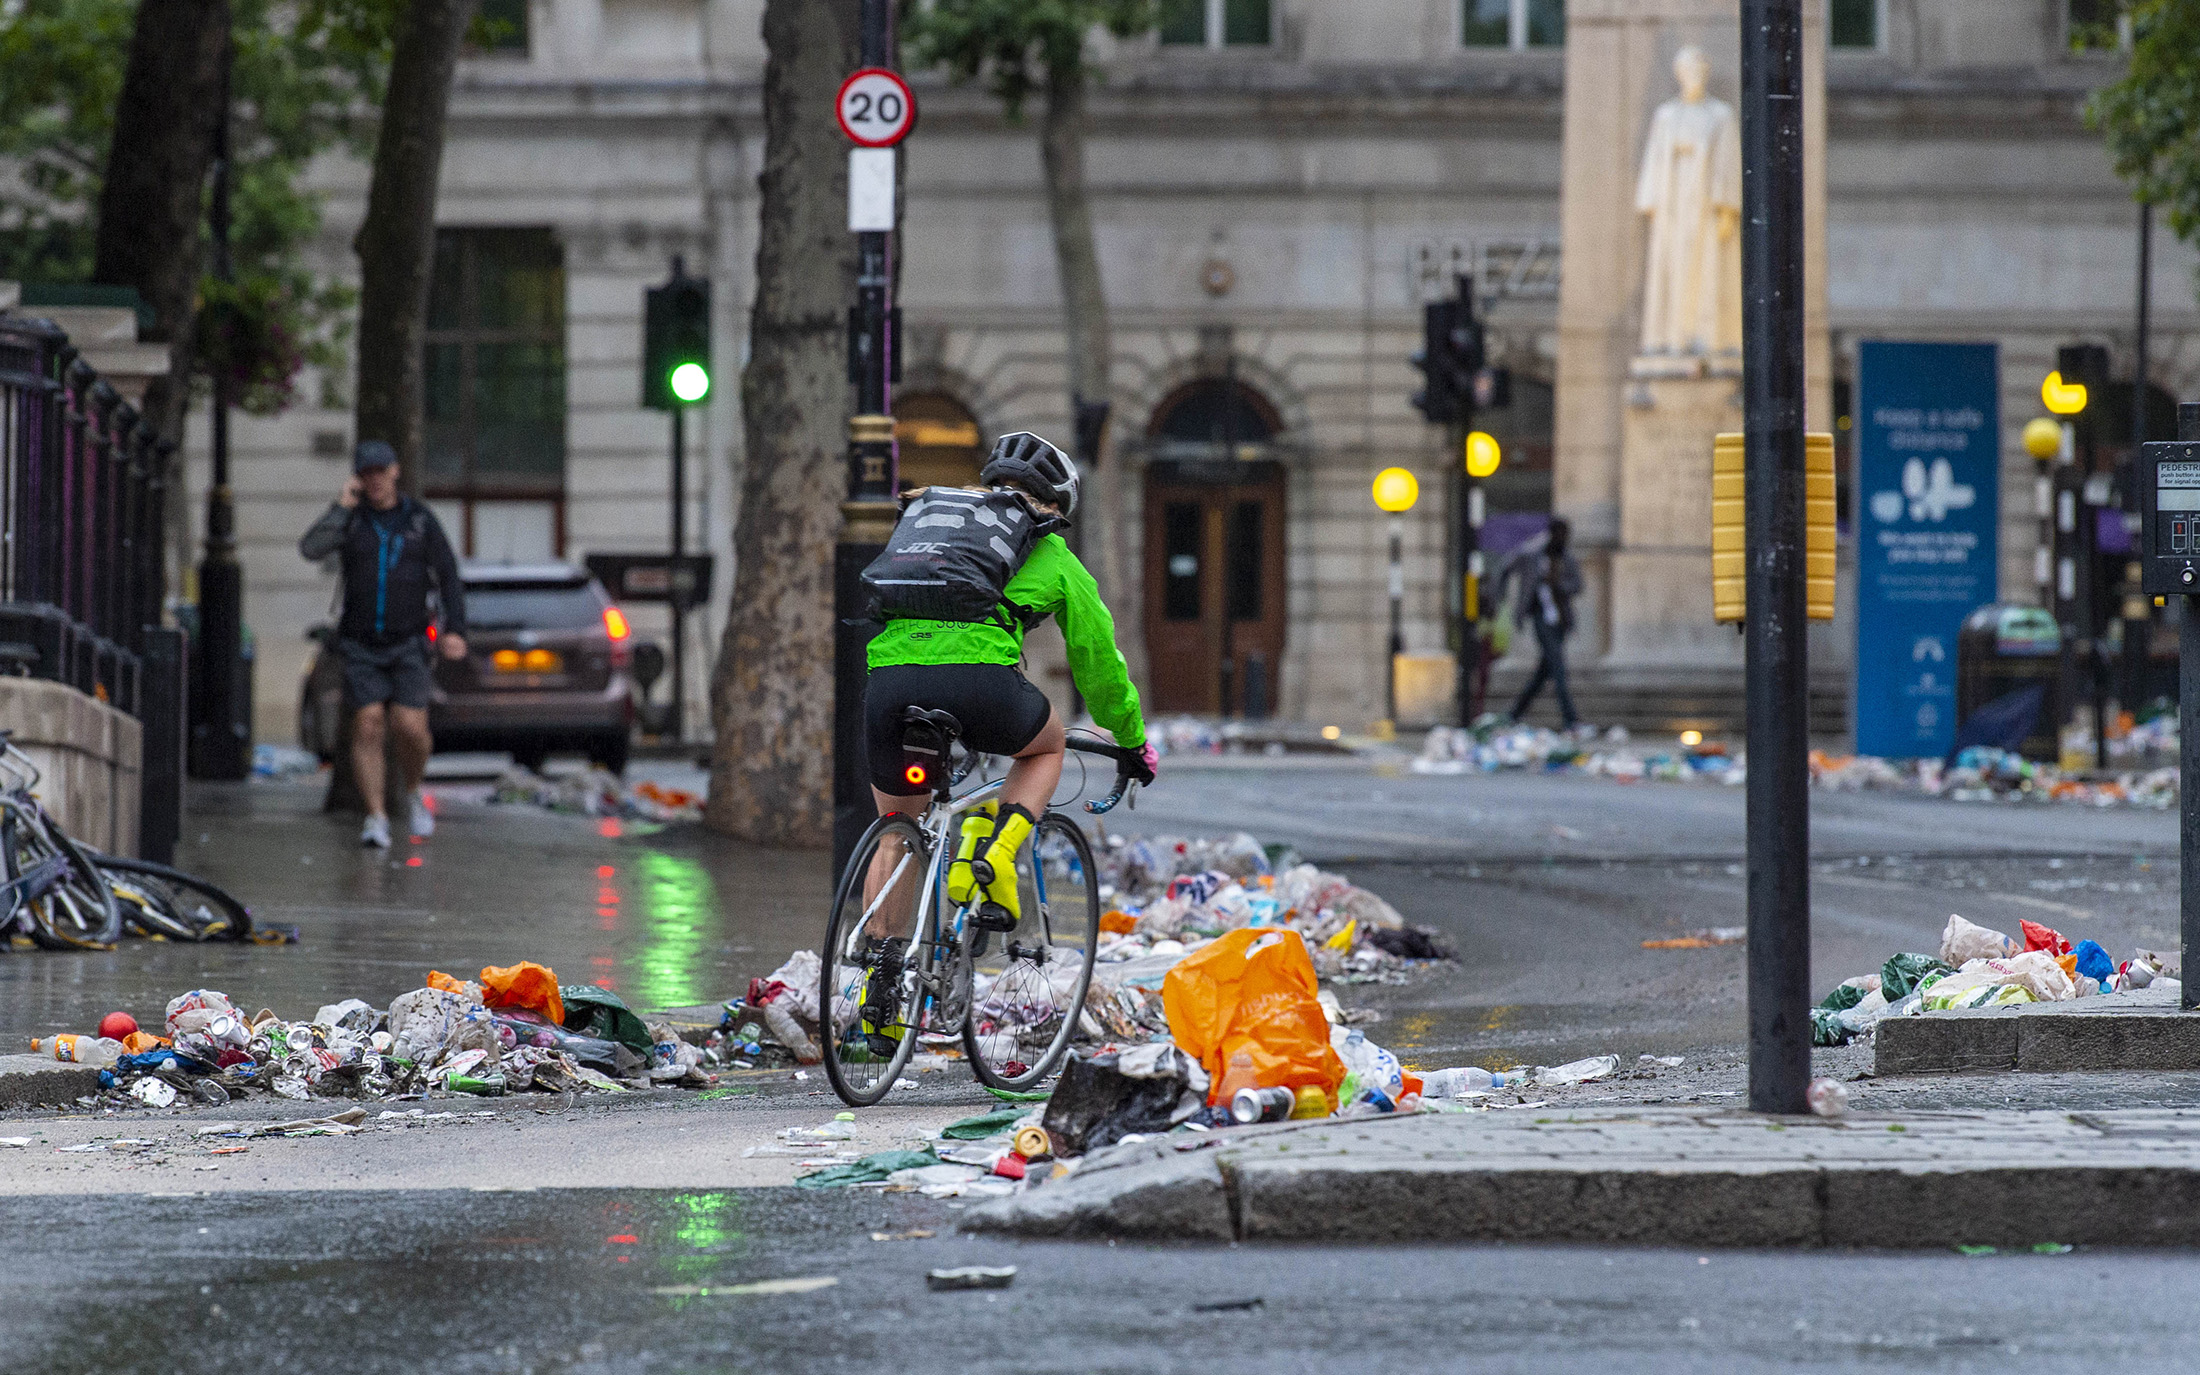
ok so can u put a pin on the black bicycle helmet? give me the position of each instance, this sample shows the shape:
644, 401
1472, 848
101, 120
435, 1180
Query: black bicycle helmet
1024, 461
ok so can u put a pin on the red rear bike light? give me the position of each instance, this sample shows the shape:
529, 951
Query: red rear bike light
916, 775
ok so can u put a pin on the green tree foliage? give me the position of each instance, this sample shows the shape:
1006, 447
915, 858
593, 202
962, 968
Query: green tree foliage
2152, 116
308, 77
1018, 46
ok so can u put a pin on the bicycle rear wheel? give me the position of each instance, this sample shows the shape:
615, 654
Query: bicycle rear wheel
166, 901
77, 911
880, 893
1030, 991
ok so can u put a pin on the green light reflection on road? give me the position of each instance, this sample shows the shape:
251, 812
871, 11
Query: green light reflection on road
681, 906
704, 1226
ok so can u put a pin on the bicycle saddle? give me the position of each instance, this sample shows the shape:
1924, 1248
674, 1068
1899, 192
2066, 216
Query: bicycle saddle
942, 721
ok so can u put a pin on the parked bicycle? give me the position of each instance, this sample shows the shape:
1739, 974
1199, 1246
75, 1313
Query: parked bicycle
160, 900
1014, 998
53, 891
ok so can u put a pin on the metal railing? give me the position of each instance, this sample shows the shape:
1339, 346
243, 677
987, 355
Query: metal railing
83, 490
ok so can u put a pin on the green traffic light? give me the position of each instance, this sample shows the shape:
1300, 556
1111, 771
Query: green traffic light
690, 382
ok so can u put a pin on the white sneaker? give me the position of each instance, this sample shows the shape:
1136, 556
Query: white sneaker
423, 820
376, 833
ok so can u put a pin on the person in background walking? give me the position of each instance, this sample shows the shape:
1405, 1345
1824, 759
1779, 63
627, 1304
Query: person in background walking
392, 550
1550, 579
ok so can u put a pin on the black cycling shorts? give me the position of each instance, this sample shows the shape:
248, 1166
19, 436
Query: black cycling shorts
1000, 711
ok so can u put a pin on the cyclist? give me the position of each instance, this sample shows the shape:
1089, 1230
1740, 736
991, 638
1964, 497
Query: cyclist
970, 669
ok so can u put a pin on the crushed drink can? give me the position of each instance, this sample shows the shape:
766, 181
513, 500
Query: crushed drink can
1033, 1143
1262, 1105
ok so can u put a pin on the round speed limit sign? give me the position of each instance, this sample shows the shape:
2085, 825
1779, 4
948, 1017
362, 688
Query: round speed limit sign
876, 109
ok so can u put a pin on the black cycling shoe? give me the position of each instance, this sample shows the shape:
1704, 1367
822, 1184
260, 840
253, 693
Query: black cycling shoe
991, 916
882, 995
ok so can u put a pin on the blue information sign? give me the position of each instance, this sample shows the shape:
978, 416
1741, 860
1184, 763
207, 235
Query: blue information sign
1928, 516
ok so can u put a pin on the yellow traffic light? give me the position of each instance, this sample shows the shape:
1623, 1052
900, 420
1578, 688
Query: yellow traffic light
1483, 454
2063, 398
2043, 438
1396, 490
1729, 546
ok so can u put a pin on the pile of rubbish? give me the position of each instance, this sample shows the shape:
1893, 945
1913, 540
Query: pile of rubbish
1981, 967
1979, 773
514, 1030
597, 792
283, 761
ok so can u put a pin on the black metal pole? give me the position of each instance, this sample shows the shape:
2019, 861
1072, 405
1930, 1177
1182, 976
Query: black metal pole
1397, 619
2188, 765
222, 739
1778, 680
867, 516
676, 580
1469, 573
2138, 621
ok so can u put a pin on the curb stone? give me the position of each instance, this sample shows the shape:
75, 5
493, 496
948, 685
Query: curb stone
35, 1081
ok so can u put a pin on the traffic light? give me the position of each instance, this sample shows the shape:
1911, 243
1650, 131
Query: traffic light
676, 342
1729, 547
1451, 358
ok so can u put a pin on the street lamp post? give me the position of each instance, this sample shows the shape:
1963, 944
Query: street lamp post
221, 739
1395, 492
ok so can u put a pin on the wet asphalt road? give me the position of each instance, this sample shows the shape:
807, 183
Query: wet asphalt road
1547, 885
610, 1280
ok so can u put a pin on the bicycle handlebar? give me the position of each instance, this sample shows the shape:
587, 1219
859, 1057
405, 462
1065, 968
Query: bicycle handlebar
1124, 781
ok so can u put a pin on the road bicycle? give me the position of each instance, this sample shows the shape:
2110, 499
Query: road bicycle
163, 901
53, 891
1014, 998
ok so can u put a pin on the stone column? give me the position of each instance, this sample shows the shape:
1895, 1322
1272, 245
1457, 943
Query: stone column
1633, 453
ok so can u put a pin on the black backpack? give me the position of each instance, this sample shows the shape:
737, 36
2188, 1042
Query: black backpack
951, 555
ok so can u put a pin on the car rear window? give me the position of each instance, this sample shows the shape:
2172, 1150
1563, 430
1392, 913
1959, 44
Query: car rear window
492, 606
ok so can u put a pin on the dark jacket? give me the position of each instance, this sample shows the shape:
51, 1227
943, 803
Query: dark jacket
1538, 573
389, 561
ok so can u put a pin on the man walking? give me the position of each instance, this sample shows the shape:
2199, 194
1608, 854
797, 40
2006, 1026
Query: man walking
392, 548
1550, 579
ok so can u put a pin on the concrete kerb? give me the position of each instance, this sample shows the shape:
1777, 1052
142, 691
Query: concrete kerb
28, 1081
1647, 1177
2142, 1030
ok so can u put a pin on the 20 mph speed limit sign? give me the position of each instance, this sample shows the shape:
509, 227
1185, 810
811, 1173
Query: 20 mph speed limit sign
876, 109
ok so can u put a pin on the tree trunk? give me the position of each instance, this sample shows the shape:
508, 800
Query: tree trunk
772, 690
396, 248
151, 203
1085, 321
396, 242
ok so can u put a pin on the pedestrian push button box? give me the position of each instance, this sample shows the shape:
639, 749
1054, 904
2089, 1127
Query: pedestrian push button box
2169, 518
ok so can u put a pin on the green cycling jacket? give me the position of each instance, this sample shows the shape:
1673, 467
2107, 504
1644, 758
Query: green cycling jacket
1054, 583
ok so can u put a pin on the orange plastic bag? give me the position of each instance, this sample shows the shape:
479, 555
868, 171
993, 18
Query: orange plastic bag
1254, 990
525, 984
438, 979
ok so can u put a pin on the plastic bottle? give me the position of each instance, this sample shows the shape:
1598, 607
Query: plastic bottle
94, 1051
1238, 1074
1456, 1083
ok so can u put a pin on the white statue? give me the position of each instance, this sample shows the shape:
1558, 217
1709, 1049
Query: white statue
1691, 188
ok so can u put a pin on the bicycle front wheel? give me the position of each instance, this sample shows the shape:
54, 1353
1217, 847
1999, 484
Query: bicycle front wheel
879, 897
76, 911
1030, 983
165, 901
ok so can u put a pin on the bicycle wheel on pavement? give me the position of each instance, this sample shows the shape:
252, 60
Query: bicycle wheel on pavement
879, 896
76, 911
1030, 983
165, 901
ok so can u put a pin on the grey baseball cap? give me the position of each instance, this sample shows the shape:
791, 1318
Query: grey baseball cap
372, 454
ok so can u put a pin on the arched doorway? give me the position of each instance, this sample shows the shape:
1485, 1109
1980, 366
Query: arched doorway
937, 441
1214, 516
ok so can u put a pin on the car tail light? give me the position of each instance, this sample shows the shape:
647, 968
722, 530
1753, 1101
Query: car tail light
614, 624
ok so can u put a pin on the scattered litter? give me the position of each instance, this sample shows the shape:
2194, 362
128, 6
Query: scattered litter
1230, 1306
913, 1234
972, 1277
808, 1284
17, 1141
596, 792
1827, 1097
1699, 940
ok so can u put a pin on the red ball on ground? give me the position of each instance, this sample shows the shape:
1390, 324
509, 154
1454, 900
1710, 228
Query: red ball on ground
116, 1025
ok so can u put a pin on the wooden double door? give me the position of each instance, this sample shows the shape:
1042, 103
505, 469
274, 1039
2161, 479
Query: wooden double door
1214, 586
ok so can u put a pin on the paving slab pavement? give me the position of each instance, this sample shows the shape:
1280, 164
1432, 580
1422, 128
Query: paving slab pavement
2143, 1030
1646, 1176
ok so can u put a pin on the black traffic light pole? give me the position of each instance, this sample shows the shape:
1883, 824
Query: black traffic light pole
675, 334
221, 738
868, 513
1453, 357
1778, 684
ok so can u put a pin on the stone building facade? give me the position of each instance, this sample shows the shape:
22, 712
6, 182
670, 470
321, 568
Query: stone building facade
1276, 188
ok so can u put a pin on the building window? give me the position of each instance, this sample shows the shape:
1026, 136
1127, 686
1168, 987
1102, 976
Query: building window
1217, 23
1852, 24
1512, 23
495, 367
500, 27
2098, 25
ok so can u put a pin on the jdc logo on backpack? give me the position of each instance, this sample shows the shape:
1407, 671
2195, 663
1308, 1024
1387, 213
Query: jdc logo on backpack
951, 555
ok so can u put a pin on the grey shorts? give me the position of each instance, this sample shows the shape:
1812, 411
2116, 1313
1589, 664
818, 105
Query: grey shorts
396, 673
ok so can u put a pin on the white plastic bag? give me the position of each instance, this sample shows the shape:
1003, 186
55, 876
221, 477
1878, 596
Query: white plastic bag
1964, 941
